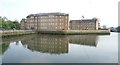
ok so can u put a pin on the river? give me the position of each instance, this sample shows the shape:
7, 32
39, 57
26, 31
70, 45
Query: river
38, 48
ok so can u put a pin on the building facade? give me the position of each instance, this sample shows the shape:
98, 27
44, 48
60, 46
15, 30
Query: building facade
84, 24
46, 21
23, 24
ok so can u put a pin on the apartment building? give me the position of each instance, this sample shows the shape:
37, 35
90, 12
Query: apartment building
46, 21
84, 24
23, 24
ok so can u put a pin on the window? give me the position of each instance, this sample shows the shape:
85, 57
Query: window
60, 20
66, 17
60, 23
49, 20
53, 20
56, 19
60, 27
32, 17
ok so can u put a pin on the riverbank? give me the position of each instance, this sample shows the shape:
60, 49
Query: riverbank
5, 33
76, 32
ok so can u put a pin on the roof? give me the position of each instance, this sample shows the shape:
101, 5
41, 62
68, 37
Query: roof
23, 20
85, 20
47, 14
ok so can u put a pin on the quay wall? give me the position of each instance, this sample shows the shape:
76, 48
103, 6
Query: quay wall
15, 32
76, 32
63, 32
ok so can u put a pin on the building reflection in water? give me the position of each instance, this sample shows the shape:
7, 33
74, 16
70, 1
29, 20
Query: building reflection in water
88, 40
53, 44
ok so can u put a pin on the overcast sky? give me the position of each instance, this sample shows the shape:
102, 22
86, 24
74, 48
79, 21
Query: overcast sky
105, 10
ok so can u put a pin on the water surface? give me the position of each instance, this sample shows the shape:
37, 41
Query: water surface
60, 49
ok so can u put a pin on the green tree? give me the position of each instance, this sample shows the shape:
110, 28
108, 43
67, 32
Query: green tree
11, 24
0, 21
8, 24
5, 25
17, 24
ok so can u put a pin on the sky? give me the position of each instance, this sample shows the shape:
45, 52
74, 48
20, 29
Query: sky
105, 10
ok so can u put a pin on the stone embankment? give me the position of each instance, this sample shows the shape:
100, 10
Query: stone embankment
15, 32
63, 32
75, 32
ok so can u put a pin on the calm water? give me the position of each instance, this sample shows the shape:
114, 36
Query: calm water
60, 49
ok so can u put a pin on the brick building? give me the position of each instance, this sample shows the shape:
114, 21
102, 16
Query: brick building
23, 24
46, 21
84, 24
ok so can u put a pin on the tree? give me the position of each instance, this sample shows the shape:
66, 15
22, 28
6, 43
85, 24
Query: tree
11, 25
5, 25
5, 18
17, 24
8, 24
0, 22
118, 28
1, 19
